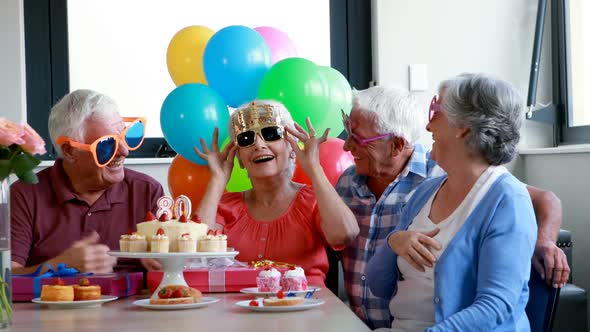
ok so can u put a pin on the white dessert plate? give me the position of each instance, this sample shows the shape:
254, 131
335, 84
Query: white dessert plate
254, 291
307, 304
76, 304
229, 254
205, 301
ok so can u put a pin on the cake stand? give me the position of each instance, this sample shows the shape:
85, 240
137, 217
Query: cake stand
173, 263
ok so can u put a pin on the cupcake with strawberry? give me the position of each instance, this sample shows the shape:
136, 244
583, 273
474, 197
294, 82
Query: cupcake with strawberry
84, 291
269, 280
160, 242
214, 241
186, 243
294, 280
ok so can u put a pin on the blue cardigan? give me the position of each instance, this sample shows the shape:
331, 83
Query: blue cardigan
481, 279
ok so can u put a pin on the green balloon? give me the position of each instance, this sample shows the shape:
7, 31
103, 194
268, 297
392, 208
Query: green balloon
340, 99
239, 180
298, 84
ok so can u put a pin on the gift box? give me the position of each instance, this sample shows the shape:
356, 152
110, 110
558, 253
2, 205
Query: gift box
120, 284
213, 280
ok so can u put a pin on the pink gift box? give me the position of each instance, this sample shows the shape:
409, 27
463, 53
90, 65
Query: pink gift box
119, 284
214, 280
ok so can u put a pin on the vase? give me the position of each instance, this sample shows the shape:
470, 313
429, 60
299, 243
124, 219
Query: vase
5, 275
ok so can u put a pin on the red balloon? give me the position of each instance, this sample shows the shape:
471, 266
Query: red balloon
333, 159
189, 179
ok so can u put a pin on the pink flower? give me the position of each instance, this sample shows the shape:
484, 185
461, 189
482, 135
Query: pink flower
33, 143
11, 133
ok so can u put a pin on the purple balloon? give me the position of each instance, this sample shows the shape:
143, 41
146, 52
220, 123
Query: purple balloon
280, 44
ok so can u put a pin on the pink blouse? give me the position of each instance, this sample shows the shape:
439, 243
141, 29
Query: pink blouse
295, 237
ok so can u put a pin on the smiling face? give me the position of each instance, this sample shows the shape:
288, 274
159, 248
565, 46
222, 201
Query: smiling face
446, 137
96, 177
266, 159
375, 158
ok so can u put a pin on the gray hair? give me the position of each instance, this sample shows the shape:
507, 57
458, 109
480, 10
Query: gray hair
68, 116
286, 121
397, 111
491, 108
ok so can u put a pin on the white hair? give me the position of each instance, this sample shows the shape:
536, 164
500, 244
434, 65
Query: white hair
68, 116
286, 121
397, 111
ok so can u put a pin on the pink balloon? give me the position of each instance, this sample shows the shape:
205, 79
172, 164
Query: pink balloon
280, 44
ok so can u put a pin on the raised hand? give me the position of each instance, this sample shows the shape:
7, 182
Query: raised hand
87, 255
415, 247
309, 156
220, 163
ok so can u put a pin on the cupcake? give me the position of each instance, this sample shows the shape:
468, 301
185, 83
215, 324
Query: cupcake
124, 242
85, 292
294, 280
269, 280
160, 242
214, 241
186, 243
137, 243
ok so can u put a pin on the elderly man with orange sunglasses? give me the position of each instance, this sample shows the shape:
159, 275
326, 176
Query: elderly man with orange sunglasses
87, 199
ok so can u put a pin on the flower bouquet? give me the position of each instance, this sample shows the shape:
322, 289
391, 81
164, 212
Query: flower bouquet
18, 144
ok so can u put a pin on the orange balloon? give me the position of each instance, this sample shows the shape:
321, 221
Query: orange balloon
333, 159
189, 179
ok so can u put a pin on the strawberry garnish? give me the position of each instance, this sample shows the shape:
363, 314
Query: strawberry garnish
149, 216
160, 231
84, 282
164, 293
183, 234
130, 231
280, 294
177, 294
182, 218
196, 218
217, 232
164, 217
292, 267
58, 282
210, 232
253, 303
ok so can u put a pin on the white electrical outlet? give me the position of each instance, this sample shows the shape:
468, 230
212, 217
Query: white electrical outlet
418, 77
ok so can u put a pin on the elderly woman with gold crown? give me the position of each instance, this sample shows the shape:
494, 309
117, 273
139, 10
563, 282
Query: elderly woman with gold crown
278, 219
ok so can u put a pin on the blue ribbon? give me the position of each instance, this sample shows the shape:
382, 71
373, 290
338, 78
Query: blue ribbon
61, 271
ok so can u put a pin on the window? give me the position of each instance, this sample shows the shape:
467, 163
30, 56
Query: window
110, 47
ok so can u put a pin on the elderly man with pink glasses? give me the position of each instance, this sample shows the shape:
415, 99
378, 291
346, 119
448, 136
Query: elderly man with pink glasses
383, 130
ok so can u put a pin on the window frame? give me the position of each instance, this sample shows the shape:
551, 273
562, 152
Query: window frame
47, 60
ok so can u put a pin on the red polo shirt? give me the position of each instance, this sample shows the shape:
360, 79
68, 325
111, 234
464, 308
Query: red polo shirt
46, 218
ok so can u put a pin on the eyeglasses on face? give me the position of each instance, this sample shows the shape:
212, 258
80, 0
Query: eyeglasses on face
357, 138
104, 149
268, 134
434, 108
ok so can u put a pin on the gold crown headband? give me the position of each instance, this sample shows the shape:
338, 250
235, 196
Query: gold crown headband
255, 116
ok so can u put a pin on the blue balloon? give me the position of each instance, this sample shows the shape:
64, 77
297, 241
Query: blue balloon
235, 60
190, 112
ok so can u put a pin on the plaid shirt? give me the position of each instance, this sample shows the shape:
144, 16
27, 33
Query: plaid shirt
376, 220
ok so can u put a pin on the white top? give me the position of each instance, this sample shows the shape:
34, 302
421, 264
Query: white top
412, 307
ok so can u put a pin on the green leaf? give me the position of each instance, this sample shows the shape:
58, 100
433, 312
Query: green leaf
23, 162
4, 169
28, 177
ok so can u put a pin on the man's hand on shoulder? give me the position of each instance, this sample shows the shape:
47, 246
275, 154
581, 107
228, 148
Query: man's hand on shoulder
87, 255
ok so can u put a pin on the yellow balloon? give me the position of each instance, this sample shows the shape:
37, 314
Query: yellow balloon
185, 55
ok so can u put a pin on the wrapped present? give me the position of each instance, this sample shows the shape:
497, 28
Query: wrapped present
217, 276
27, 287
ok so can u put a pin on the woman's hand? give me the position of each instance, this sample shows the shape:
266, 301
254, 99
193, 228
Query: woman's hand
220, 163
415, 247
309, 156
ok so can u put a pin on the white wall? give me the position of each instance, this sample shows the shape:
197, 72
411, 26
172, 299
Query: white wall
12, 63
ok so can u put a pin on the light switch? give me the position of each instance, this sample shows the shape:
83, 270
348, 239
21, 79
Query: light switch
418, 77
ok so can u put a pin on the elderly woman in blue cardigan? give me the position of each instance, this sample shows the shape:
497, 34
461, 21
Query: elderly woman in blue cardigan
460, 258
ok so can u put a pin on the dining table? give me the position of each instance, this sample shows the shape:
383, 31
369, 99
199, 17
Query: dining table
224, 315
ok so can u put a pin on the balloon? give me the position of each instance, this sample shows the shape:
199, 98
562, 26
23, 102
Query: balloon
333, 159
340, 99
235, 60
185, 55
190, 112
301, 87
280, 44
187, 178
